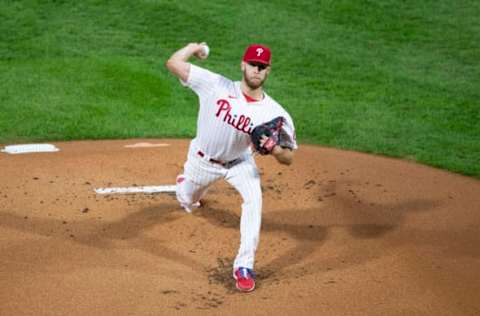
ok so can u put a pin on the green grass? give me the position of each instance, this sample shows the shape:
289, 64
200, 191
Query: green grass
399, 78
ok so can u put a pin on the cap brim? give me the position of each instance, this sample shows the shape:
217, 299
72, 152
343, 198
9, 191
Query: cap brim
258, 61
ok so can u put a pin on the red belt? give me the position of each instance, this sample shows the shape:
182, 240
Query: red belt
222, 163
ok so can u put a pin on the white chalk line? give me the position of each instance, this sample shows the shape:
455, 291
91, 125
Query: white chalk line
144, 189
147, 145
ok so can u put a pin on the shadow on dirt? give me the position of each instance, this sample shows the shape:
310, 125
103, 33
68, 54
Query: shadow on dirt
309, 228
97, 234
309, 232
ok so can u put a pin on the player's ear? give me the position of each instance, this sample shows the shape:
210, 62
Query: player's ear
268, 69
242, 65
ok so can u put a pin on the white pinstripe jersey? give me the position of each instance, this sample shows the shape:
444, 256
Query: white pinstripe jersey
225, 119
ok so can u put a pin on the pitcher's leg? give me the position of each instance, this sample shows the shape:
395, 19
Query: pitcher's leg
194, 183
188, 193
246, 180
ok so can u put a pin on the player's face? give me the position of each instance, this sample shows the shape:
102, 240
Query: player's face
255, 74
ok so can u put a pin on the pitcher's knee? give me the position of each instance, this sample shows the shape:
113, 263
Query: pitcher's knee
182, 199
182, 196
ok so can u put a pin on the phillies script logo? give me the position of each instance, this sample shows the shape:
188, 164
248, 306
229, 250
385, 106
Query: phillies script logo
242, 123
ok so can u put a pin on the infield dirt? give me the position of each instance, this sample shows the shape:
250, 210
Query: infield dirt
343, 233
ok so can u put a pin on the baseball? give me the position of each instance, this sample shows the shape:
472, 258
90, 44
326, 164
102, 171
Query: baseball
206, 50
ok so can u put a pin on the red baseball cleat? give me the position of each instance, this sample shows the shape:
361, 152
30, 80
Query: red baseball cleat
245, 279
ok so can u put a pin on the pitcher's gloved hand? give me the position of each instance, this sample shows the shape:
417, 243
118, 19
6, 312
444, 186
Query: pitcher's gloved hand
269, 134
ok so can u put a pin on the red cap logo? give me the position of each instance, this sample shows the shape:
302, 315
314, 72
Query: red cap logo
258, 53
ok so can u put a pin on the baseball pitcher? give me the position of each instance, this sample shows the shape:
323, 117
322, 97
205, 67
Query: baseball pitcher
235, 119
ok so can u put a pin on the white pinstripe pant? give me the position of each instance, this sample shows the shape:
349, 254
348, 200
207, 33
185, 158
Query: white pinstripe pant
200, 174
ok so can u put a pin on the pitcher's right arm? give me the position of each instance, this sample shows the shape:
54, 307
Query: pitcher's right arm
178, 63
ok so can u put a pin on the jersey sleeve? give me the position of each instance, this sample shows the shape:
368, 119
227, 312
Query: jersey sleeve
201, 81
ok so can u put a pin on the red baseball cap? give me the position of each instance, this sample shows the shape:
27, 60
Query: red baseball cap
259, 53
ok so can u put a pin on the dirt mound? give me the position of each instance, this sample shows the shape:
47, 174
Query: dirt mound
342, 233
